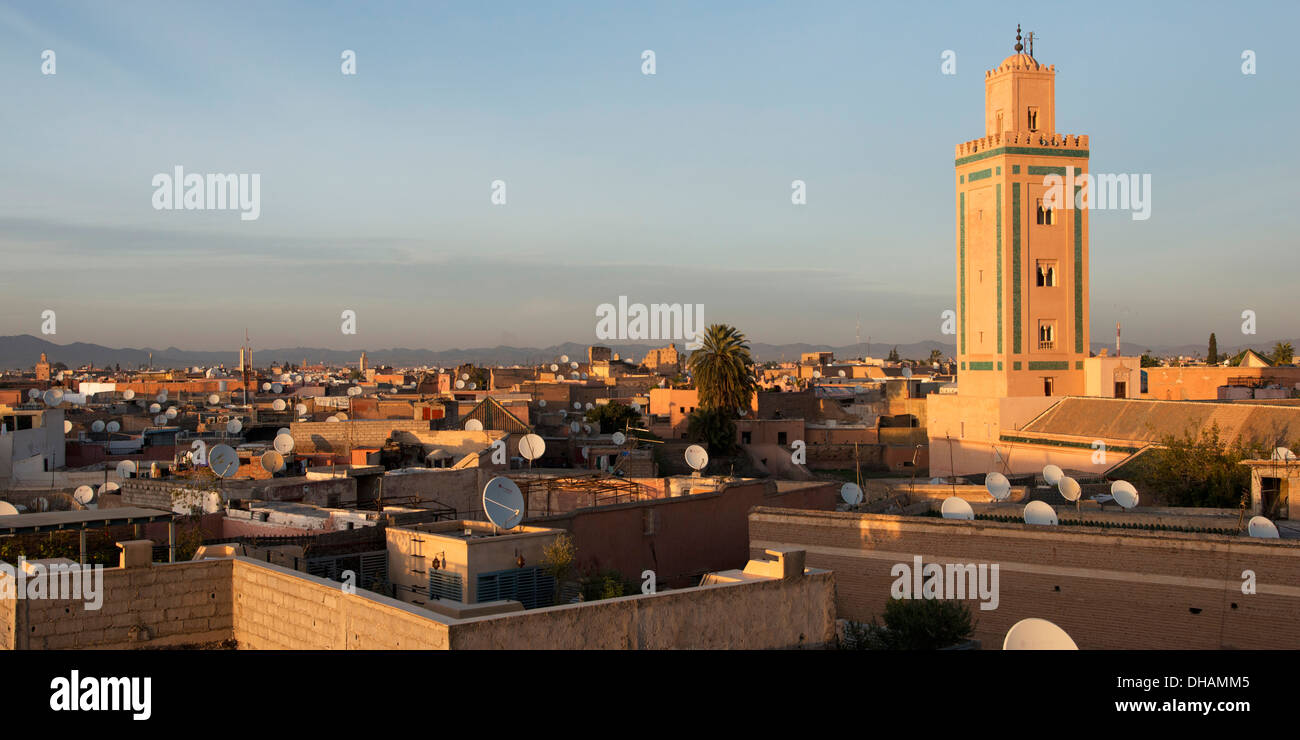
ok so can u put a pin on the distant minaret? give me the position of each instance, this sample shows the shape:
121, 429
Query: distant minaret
1117, 352
363, 362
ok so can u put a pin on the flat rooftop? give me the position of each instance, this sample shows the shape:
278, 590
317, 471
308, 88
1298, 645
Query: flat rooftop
52, 521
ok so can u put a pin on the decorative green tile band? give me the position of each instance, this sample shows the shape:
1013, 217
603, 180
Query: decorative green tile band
961, 217
981, 365
999, 242
1043, 365
1015, 268
1078, 272
1030, 150
1035, 169
980, 175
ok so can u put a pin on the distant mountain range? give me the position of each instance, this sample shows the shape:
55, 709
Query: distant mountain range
22, 352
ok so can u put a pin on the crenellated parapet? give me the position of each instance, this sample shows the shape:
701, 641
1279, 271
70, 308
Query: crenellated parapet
1022, 139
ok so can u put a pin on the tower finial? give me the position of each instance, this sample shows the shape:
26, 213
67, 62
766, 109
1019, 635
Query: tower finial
1019, 46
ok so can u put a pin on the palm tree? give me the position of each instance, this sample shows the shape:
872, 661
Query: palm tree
723, 369
1283, 353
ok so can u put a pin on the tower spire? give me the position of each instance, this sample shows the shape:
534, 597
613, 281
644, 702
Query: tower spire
1019, 46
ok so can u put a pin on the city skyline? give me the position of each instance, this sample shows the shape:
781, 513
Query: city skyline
673, 187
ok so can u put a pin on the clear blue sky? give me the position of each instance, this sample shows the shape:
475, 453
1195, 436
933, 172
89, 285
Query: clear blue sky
671, 188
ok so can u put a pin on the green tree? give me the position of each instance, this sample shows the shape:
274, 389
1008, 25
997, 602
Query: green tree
1149, 361
1212, 354
893, 355
935, 356
557, 560
613, 417
914, 624
723, 369
715, 428
1283, 352
1196, 469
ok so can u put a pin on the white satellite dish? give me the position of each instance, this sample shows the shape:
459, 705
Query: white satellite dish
998, 486
213, 399
223, 460
460, 384
473, 425
342, 416
83, 495
956, 507
155, 408
266, 386
590, 406
331, 419
277, 388
1037, 634
817, 373
554, 367
618, 438
108, 487
283, 444
473, 386
282, 430
577, 405
841, 373
126, 469
1052, 474
1124, 494
564, 358
300, 408
272, 461
532, 446
33, 393
112, 426
697, 457
234, 426
636, 407
1069, 488
1038, 512
171, 412
1282, 454
907, 372
464, 376
1261, 527
53, 397
573, 365
160, 420
162, 397
278, 404
7, 509
851, 494
559, 377
574, 427
96, 426
67, 426
541, 403
503, 502
128, 394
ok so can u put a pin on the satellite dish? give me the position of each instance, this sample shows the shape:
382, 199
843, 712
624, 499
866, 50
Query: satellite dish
7, 509
126, 469
1261, 527
160, 420
83, 495
128, 394
234, 426
278, 404
155, 408
464, 376
1037, 634
282, 430
1124, 493
162, 397
283, 444
1283, 454
998, 486
559, 377
332, 418
108, 487
460, 384
532, 446
53, 397
1038, 512
574, 427
266, 386
956, 507
272, 461
573, 365
1052, 475
841, 373
636, 407
300, 408
541, 403
97, 426
223, 460
342, 416
851, 494
213, 399
1069, 489
67, 426
575, 375
907, 372
113, 426
564, 358
473, 386
503, 502
554, 367
277, 388
577, 405
33, 393
590, 406
618, 438
817, 373
697, 457
171, 413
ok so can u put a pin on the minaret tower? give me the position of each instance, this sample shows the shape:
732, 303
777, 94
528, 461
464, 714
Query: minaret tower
1022, 264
